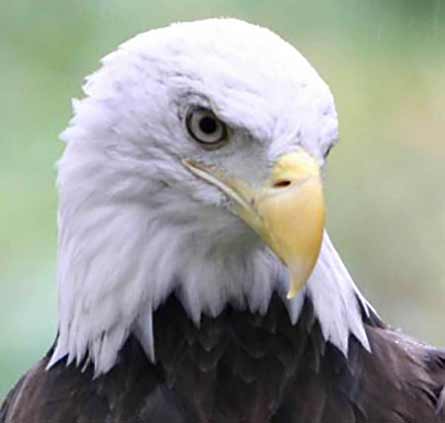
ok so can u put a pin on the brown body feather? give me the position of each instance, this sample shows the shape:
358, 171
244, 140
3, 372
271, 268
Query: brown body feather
242, 368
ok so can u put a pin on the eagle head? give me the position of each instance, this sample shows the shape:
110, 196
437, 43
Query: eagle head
192, 168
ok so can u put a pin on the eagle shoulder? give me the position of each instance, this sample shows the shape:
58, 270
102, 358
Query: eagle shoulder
129, 392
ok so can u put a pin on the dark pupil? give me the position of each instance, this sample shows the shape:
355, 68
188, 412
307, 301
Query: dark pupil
208, 125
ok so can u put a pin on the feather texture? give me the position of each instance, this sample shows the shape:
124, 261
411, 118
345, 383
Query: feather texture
241, 367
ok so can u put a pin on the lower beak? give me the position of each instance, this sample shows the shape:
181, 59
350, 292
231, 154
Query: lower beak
287, 212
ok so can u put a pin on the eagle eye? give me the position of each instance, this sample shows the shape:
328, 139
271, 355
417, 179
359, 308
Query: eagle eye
205, 127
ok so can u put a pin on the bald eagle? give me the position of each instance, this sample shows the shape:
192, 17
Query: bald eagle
196, 281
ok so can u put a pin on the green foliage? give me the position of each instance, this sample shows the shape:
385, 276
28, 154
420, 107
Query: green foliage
385, 63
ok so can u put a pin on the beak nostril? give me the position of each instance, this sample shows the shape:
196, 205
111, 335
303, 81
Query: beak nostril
282, 183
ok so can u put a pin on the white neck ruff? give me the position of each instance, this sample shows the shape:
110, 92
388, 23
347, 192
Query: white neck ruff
117, 267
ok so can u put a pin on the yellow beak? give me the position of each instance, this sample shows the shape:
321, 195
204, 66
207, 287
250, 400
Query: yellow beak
287, 212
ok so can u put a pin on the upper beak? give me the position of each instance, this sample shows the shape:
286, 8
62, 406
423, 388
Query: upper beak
288, 212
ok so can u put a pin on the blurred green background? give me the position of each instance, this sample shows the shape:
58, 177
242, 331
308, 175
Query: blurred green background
385, 62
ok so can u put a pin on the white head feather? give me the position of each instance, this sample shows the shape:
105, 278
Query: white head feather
135, 226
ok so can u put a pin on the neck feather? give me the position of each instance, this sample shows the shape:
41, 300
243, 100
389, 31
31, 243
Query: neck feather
116, 267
